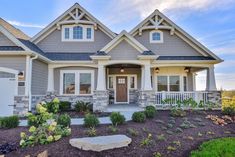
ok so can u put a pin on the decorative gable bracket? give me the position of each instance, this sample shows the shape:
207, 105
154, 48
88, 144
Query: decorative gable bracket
77, 18
156, 22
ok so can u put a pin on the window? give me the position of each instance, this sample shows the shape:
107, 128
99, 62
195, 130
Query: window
174, 83
88, 33
66, 33
77, 82
185, 83
168, 83
162, 83
85, 83
156, 36
110, 85
68, 83
77, 32
132, 82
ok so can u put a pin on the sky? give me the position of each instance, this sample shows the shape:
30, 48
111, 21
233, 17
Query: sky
211, 22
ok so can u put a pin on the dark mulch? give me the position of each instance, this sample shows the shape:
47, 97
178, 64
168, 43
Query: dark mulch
74, 114
63, 149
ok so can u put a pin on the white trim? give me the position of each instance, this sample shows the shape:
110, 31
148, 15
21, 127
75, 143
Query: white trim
156, 41
84, 31
77, 79
128, 85
181, 85
134, 31
38, 37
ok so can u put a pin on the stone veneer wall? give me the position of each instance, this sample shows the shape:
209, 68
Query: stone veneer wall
215, 97
146, 98
21, 105
100, 100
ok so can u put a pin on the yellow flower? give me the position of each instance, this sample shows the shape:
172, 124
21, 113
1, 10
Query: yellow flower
31, 137
56, 100
22, 135
22, 142
50, 138
32, 129
57, 137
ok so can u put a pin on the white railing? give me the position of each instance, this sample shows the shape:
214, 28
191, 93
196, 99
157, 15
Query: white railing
174, 97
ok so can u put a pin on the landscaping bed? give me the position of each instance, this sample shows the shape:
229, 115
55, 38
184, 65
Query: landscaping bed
75, 114
166, 137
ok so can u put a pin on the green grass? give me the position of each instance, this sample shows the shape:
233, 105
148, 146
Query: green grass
223, 147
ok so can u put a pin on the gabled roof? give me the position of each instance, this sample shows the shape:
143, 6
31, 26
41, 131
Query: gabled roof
53, 24
14, 31
127, 37
174, 28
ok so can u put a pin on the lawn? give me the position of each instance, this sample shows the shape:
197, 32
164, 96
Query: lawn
170, 136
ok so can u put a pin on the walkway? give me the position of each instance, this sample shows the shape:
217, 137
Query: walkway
126, 110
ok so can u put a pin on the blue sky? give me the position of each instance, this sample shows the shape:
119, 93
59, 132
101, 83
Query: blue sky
209, 21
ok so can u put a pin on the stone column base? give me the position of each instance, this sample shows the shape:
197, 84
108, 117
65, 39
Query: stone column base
215, 97
146, 98
21, 105
100, 100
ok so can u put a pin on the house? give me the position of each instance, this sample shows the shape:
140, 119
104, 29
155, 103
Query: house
76, 57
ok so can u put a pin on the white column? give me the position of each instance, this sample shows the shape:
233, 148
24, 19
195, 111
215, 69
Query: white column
147, 77
27, 75
142, 77
101, 85
50, 85
211, 85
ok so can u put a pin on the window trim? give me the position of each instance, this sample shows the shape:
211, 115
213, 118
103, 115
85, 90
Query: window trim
156, 41
128, 80
181, 83
77, 81
84, 33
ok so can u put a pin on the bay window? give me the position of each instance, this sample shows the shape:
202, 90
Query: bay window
76, 82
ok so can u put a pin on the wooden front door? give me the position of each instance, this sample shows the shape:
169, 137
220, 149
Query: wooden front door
121, 89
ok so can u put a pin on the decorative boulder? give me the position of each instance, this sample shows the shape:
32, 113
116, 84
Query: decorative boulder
101, 143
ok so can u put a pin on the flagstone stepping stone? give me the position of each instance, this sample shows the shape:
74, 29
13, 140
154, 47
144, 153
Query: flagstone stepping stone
101, 143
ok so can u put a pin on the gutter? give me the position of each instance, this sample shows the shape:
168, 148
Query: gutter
30, 81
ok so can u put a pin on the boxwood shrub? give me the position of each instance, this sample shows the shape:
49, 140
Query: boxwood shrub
117, 118
139, 117
65, 106
64, 120
9, 122
91, 120
150, 111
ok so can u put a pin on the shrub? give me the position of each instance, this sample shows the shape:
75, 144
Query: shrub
217, 147
83, 107
228, 111
150, 111
147, 141
133, 132
117, 118
64, 120
91, 120
138, 117
53, 106
91, 132
113, 129
65, 106
177, 112
9, 122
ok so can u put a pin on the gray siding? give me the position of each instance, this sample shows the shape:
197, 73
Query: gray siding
39, 77
172, 45
16, 63
4, 41
190, 81
57, 76
53, 43
124, 51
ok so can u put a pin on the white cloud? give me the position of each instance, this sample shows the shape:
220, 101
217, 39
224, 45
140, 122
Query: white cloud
124, 10
21, 24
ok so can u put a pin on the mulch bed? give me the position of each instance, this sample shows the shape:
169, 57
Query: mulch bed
63, 149
74, 114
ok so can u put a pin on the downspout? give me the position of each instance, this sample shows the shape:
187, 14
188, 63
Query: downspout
30, 81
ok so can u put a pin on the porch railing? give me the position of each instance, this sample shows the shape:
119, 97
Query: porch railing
174, 97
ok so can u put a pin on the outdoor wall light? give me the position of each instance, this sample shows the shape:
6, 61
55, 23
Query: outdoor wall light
157, 70
186, 69
122, 70
21, 75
